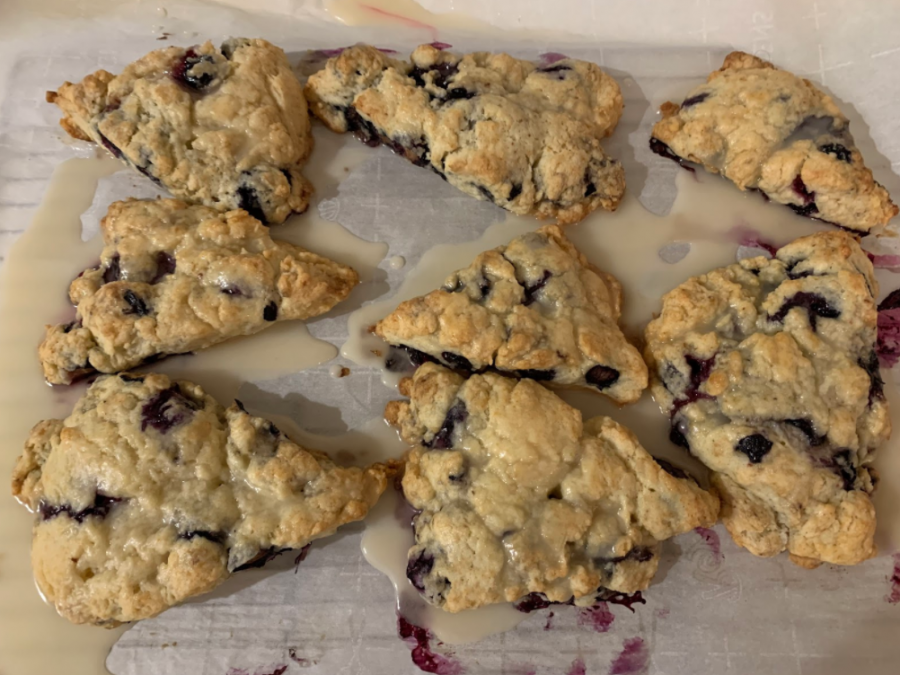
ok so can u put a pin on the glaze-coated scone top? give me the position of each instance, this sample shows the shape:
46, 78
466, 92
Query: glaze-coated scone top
516, 495
766, 129
151, 492
524, 137
175, 278
768, 370
535, 308
228, 128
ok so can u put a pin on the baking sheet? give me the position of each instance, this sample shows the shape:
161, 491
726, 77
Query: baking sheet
707, 612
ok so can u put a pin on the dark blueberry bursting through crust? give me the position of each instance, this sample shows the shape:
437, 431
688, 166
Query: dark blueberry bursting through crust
455, 288
484, 285
800, 188
99, 509
602, 377
458, 93
673, 470
182, 71
676, 435
69, 326
149, 174
624, 599
589, 187
443, 439
167, 409
108, 144
807, 210
756, 447
440, 74
456, 361
638, 554
533, 602
694, 100
417, 569
554, 68
808, 430
112, 272
876, 384
262, 558
214, 537
125, 377
536, 374
231, 289
270, 313
165, 264
892, 301
487, 194
815, 305
663, 150
843, 464
531, 290
362, 128
837, 150
401, 358
514, 191
248, 199
136, 304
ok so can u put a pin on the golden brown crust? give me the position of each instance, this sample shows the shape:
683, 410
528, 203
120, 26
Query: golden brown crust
495, 127
517, 496
768, 370
175, 278
766, 129
150, 492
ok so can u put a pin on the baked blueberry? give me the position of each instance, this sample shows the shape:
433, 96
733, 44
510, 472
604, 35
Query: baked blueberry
157, 532
789, 411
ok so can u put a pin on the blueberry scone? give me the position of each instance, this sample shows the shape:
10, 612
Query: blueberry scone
766, 129
768, 371
524, 137
150, 492
228, 128
175, 278
535, 308
517, 496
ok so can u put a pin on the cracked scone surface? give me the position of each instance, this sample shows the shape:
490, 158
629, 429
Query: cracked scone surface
151, 492
227, 128
517, 496
766, 129
524, 137
535, 307
768, 371
175, 278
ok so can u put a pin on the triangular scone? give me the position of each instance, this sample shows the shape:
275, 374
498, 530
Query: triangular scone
175, 278
516, 495
766, 129
151, 492
769, 373
535, 308
522, 136
225, 127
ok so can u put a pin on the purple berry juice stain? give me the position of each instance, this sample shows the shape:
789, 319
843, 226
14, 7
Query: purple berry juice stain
747, 236
888, 342
426, 660
577, 668
549, 58
632, 659
711, 538
663, 613
894, 596
891, 263
549, 623
597, 617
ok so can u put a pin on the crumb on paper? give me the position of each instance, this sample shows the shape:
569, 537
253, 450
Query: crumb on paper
376, 352
345, 371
